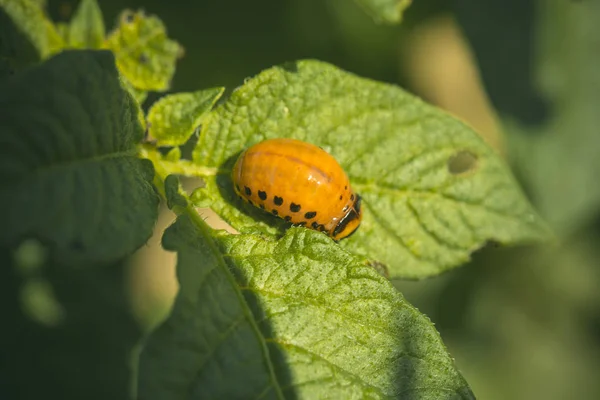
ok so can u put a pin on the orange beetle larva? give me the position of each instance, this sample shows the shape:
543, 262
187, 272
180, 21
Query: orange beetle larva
299, 182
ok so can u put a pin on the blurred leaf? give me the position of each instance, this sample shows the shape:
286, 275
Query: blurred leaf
71, 175
145, 55
173, 118
295, 317
86, 29
40, 3
56, 41
23, 35
555, 152
432, 190
68, 331
139, 95
388, 11
174, 197
559, 161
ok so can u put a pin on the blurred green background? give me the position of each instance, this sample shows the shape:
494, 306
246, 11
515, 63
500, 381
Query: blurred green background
522, 323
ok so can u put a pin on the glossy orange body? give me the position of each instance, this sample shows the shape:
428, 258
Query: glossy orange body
300, 183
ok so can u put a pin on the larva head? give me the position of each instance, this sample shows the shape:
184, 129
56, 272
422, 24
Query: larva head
349, 222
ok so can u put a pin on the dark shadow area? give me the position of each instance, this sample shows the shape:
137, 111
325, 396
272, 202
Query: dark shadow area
16, 50
67, 331
501, 34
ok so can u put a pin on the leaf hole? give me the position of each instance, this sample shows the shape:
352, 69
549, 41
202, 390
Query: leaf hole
462, 162
380, 267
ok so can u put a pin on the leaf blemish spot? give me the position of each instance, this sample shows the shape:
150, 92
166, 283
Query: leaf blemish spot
461, 162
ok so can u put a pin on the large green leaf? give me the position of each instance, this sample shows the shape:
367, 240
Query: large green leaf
144, 53
388, 11
543, 78
298, 317
432, 190
67, 330
68, 159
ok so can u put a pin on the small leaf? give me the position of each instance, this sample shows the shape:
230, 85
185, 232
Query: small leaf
432, 190
388, 11
86, 29
174, 197
173, 118
145, 55
294, 318
71, 175
23, 35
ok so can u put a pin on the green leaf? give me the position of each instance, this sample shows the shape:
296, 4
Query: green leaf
388, 11
23, 35
173, 118
86, 29
145, 55
548, 100
432, 190
294, 318
172, 192
71, 331
70, 172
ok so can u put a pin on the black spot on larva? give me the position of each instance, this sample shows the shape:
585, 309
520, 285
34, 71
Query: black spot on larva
274, 212
345, 187
262, 195
262, 206
240, 197
341, 197
278, 200
238, 188
248, 191
310, 215
352, 197
294, 207
288, 218
315, 225
303, 223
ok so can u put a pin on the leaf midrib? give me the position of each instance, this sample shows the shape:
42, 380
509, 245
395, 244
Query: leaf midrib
211, 243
